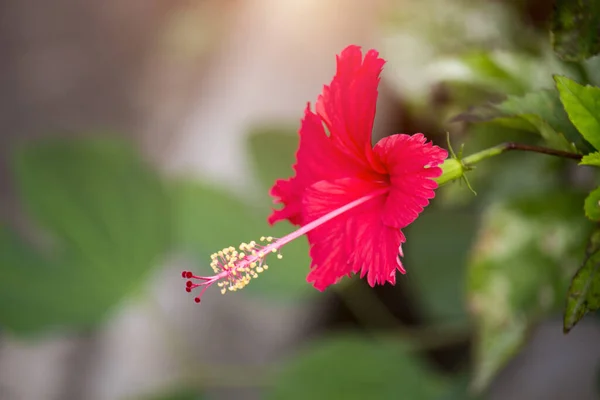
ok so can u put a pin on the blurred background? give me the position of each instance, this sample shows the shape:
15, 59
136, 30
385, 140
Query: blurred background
137, 137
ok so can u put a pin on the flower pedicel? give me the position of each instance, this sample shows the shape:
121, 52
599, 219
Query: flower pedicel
349, 198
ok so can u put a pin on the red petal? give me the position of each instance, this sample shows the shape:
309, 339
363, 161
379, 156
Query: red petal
317, 159
377, 248
411, 163
347, 106
285, 191
356, 241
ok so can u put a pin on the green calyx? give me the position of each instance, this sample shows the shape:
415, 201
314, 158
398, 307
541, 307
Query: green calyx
454, 167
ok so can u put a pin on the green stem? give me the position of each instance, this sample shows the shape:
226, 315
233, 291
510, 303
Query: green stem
455, 166
504, 147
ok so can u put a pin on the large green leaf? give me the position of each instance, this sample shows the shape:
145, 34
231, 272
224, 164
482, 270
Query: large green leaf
582, 104
519, 273
584, 292
208, 219
348, 367
575, 28
539, 112
107, 218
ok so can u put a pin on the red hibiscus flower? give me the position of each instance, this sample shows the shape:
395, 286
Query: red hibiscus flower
351, 199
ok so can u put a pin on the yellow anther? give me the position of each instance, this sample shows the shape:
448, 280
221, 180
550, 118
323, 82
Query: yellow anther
242, 264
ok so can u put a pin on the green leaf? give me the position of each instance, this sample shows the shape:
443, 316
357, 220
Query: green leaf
539, 112
348, 367
106, 221
575, 27
584, 293
519, 273
591, 159
582, 104
208, 219
592, 205
437, 277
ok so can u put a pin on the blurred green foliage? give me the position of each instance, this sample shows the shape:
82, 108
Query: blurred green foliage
575, 28
105, 220
519, 272
436, 252
353, 367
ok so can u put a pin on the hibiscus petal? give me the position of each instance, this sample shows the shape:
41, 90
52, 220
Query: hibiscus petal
317, 159
411, 163
378, 247
356, 241
347, 105
284, 191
